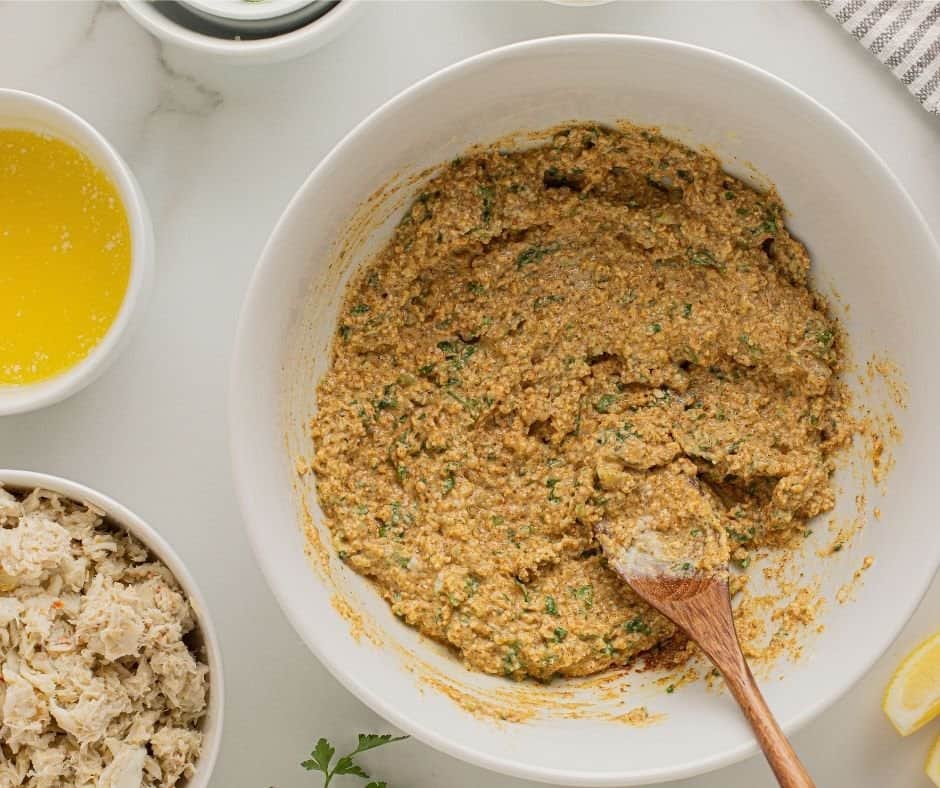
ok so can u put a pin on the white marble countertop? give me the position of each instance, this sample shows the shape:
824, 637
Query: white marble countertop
219, 149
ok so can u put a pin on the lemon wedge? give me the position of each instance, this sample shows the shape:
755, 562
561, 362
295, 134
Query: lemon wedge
933, 763
913, 695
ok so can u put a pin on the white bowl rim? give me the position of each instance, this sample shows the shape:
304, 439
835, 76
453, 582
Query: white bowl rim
126, 519
434, 737
42, 393
282, 46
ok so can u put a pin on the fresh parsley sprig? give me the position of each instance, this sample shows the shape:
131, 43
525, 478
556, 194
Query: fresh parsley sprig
322, 757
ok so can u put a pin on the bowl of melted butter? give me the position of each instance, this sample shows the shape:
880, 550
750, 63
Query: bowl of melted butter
77, 251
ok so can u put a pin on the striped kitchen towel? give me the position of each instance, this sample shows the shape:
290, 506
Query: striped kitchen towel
902, 34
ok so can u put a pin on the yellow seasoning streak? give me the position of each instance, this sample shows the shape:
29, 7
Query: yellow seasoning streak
65, 256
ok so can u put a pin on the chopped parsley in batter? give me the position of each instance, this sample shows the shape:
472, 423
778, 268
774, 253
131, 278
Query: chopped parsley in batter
552, 338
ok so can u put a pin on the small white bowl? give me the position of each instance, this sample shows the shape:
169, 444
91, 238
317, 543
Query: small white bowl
126, 519
249, 20
21, 110
259, 50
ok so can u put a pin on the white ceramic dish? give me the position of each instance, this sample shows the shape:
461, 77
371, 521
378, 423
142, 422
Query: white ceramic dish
247, 10
22, 110
580, 3
867, 238
247, 20
285, 46
123, 517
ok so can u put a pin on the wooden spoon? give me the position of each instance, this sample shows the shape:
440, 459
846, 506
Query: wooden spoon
700, 605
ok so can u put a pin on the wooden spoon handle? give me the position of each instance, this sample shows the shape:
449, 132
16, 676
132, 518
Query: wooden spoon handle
702, 608
781, 756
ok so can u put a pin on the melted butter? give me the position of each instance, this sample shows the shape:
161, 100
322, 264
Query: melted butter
65, 256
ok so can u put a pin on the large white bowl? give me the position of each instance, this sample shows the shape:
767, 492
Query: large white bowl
124, 518
22, 110
868, 240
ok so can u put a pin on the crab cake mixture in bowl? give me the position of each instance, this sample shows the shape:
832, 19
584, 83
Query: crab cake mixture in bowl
607, 328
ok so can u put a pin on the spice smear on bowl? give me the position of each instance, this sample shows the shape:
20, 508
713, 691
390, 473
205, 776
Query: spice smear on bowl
100, 686
553, 338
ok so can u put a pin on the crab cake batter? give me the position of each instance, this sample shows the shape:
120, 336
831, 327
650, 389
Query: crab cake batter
553, 338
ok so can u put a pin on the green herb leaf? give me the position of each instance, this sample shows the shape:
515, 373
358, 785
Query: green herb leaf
449, 483
486, 193
768, 226
345, 765
323, 753
585, 594
550, 607
320, 758
535, 253
457, 352
369, 741
638, 625
511, 661
704, 258
750, 344
604, 403
741, 537
386, 402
